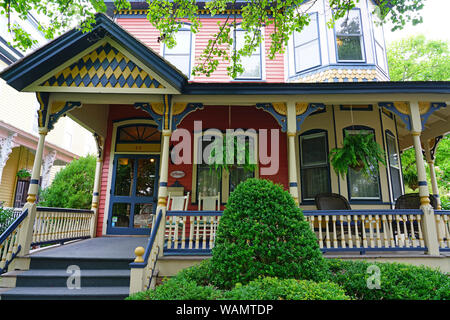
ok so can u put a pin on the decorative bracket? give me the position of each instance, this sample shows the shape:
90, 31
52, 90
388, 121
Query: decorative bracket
99, 142
181, 110
160, 111
303, 110
62, 108
426, 109
400, 109
278, 111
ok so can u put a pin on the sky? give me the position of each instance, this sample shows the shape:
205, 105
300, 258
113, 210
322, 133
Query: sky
436, 23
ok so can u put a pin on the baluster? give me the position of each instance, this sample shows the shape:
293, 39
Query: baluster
197, 234
385, 231
391, 230
183, 235
439, 227
311, 223
419, 228
335, 243
372, 242
169, 232
349, 230
215, 230
5, 246
358, 240
413, 233
319, 220
377, 226
175, 233
191, 231
211, 232
328, 243
205, 222
405, 231
400, 240
363, 226
447, 229
341, 219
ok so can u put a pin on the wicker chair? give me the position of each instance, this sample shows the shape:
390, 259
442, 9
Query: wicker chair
331, 201
412, 201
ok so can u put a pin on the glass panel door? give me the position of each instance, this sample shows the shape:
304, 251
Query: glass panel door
134, 194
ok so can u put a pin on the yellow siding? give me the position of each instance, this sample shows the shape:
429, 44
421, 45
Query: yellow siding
19, 158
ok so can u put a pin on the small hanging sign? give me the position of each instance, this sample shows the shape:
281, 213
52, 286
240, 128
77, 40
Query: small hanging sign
177, 174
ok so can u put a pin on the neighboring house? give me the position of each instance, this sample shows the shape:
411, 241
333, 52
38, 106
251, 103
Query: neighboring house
120, 82
19, 129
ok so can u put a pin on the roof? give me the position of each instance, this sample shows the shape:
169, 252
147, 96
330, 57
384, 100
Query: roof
43, 60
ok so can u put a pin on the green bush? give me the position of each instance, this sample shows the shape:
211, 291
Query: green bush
263, 233
397, 281
178, 288
72, 186
445, 203
286, 289
6, 218
200, 273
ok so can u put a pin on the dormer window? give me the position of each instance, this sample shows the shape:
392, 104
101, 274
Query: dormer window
252, 64
306, 46
180, 55
349, 42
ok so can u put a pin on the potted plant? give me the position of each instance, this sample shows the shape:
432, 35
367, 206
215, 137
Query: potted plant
242, 157
23, 174
359, 152
410, 179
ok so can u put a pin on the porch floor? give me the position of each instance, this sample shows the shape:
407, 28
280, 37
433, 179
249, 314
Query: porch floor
101, 247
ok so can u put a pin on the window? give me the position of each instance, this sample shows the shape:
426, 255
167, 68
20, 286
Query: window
394, 166
251, 64
314, 168
209, 183
349, 37
361, 187
180, 55
379, 46
306, 46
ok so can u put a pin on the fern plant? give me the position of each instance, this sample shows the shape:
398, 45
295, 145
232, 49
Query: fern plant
242, 157
359, 152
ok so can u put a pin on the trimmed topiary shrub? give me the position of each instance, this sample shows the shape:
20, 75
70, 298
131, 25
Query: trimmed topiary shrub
397, 281
263, 233
286, 289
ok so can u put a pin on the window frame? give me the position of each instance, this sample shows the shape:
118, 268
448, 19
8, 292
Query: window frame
238, 77
362, 199
382, 45
186, 27
305, 43
389, 134
225, 178
360, 35
302, 167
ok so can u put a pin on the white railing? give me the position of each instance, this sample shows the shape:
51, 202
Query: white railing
443, 228
58, 225
361, 230
191, 230
9, 242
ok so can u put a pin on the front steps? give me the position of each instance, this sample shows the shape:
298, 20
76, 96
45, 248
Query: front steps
47, 279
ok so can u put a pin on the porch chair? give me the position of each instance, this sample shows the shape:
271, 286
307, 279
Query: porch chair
409, 201
175, 203
208, 203
334, 201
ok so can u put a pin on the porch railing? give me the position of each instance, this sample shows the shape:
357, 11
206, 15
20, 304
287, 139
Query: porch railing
367, 230
9, 246
193, 231
59, 225
443, 228
143, 267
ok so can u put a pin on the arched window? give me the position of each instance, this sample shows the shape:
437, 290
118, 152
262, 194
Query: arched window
314, 165
180, 55
361, 187
307, 45
138, 137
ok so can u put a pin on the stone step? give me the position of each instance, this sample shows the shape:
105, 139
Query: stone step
62, 263
63, 293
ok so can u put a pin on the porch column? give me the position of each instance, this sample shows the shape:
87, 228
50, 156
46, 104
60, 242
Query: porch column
95, 196
26, 232
162, 190
429, 222
292, 159
434, 185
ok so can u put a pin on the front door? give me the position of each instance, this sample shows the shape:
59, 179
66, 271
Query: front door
134, 193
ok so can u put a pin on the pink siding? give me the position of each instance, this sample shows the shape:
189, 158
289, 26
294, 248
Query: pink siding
142, 29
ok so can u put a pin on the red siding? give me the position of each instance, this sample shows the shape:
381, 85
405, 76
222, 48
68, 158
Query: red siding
142, 29
244, 117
